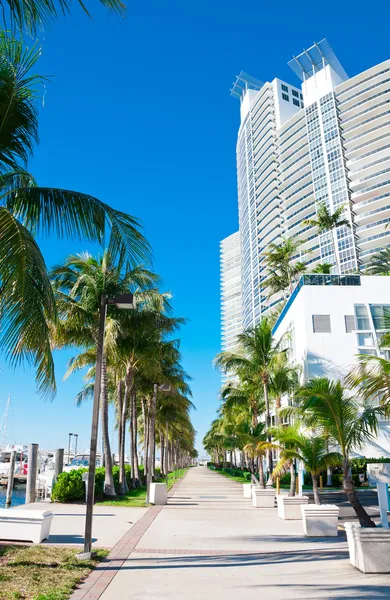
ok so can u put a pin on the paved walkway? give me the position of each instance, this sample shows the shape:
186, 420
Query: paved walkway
208, 543
110, 523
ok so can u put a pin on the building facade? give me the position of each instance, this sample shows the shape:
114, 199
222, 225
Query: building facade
231, 308
328, 321
324, 141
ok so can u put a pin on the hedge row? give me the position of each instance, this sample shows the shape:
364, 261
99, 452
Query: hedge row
359, 467
70, 487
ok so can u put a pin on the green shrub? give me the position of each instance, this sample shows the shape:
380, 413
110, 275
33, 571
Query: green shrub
286, 478
337, 480
70, 487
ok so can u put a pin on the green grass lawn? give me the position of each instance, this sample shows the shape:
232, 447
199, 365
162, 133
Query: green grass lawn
137, 497
42, 572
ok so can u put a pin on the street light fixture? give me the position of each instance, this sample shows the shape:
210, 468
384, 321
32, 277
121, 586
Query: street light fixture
76, 435
122, 301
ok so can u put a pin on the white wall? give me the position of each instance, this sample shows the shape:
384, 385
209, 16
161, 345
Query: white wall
333, 354
320, 84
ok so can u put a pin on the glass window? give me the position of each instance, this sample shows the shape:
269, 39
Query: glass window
301, 96
349, 323
365, 339
285, 97
321, 324
295, 93
381, 316
371, 352
296, 102
284, 87
362, 320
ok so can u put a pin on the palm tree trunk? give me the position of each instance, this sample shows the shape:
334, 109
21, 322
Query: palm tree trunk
135, 438
255, 415
132, 439
146, 434
121, 439
162, 453
167, 448
268, 423
315, 489
125, 409
350, 491
109, 487
152, 437
261, 473
278, 405
292, 479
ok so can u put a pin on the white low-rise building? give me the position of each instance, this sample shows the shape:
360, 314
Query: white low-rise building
328, 321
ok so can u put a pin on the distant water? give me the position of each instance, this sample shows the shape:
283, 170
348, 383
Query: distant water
18, 496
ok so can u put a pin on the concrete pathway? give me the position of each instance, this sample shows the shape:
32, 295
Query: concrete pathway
110, 523
209, 543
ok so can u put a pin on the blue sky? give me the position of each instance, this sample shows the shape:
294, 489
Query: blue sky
138, 113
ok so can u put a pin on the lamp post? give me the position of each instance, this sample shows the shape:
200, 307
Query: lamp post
123, 301
70, 437
76, 435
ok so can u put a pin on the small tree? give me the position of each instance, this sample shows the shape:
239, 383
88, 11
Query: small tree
380, 262
329, 222
324, 268
333, 409
283, 272
313, 454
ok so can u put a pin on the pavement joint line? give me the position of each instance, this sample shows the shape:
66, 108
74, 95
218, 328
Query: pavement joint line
99, 579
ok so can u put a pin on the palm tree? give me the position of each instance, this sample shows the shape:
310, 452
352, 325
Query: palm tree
213, 441
380, 262
79, 284
33, 14
313, 454
256, 446
27, 304
329, 222
372, 376
245, 395
284, 380
324, 268
347, 421
283, 272
260, 357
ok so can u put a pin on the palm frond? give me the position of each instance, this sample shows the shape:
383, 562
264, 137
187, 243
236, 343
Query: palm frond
26, 302
67, 214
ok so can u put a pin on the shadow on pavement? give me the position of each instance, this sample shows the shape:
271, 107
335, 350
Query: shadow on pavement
338, 592
232, 560
292, 539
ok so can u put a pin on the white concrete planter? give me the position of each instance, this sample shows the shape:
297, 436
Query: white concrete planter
289, 507
320, 520
247, 489
25, 525
158, 493
369, 548
263, 498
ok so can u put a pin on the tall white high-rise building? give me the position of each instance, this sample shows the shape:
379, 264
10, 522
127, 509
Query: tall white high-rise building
231, 307
328, 141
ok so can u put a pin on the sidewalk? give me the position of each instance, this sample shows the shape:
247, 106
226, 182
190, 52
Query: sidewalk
209, 543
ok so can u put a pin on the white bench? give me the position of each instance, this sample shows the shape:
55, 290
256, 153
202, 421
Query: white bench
25, 525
